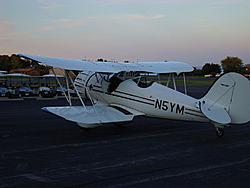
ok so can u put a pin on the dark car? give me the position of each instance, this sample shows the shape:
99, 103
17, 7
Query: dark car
45, 92
4, 92
59, 91
25, 91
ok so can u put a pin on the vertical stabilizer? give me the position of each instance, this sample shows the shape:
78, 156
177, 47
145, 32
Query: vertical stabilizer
228, 100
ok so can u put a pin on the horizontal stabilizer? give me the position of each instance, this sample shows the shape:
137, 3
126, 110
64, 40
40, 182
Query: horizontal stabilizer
215, 112
93, 115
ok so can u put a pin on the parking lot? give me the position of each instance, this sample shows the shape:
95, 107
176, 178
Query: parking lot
42, 150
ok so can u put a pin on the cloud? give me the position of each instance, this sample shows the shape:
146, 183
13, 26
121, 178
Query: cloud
137, 16
208, 25
50, 5
6, 27
43, 29
71, 22
101, 20
226, 2
114, 2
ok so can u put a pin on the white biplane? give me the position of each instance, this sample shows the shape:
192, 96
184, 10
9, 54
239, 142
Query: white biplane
119, 92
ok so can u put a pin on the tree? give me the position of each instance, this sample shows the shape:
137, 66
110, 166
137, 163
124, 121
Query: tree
15, 61
195, 72
5, 62
211, 68
101, 60
232, 64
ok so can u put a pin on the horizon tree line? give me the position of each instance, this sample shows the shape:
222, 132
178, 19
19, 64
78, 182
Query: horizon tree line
229, 64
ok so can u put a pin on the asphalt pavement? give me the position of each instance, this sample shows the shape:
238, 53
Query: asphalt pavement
42, 150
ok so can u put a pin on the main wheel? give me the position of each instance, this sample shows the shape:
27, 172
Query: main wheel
219, 132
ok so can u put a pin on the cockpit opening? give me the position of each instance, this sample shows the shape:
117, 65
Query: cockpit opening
114, 83
142, 82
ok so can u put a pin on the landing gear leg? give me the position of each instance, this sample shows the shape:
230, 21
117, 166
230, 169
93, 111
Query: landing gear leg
219, 132
219, 129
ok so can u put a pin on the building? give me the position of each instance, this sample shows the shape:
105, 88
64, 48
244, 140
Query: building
57, 71
27, 71
247, 67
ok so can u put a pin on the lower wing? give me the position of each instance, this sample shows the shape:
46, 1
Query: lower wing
91, 114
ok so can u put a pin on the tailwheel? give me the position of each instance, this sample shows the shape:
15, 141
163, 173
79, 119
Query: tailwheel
219, 132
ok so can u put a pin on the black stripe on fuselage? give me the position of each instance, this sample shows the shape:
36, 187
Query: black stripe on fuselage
149, 100
128, 97
191, 112
132, 99
197, 115
129, 94
152, 100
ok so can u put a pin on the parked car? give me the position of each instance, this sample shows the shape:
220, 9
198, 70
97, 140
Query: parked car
14, 92
59, 91
72, 92
45, 92
25, 91
4, 92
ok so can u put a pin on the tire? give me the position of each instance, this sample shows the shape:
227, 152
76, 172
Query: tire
219, 132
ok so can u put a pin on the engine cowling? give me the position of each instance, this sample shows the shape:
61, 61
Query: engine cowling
81, 82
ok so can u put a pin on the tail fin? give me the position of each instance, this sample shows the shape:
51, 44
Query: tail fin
228, 100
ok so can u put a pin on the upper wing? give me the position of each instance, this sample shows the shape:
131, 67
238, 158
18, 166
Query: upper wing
111, 67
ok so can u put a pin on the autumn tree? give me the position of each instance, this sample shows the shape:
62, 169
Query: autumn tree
232, 64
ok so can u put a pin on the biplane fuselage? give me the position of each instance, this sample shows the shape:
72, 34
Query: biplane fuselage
149, 99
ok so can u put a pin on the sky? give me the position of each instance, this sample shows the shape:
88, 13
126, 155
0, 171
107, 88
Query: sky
191, 31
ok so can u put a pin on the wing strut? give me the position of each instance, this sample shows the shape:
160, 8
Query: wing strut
174, 81
92, 102
159, 78
78, 94
169, 79
67, 82
67, 97
185, 84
